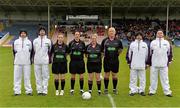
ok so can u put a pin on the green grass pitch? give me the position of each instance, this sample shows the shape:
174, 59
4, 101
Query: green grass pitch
121, 100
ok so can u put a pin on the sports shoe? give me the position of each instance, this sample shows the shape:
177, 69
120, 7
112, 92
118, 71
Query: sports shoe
90, 91
151, 94
169, 95
105, 91
29, 94
131, 94
61, 92
17, 94
115, 91
39, 94
44, 94
57, 92
142, 94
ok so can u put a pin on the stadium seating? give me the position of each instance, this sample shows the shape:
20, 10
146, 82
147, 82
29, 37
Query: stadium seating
1, 34
31, 28
125, 28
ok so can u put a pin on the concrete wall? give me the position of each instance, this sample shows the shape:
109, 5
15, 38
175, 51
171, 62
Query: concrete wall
24, 16
37, 16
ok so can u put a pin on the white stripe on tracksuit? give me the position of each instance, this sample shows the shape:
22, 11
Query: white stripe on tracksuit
42, 47
22, 52
159, 51
138, 55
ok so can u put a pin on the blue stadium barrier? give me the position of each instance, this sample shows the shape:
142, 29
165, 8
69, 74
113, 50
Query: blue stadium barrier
125, 42
177, 42
2, 34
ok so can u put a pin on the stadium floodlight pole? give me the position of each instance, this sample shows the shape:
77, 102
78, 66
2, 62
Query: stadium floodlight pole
48, 19
111, 16
167, 20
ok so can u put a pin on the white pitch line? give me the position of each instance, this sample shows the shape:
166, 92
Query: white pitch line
112, 101
109, 96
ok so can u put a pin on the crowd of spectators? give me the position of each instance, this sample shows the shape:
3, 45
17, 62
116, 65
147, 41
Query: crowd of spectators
127, 28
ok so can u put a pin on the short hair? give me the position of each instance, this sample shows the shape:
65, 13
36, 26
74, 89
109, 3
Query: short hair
112, 28
139, 33
60, 34
22, 30
160, 30
95, 34
42, 28
76, 31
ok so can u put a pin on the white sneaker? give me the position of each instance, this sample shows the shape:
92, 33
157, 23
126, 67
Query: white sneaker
61, 92
57, 92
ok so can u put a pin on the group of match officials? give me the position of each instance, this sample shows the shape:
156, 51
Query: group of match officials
41, 53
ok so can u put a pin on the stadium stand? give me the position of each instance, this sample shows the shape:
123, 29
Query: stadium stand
127, 23
31, 28
126, 29
1, 34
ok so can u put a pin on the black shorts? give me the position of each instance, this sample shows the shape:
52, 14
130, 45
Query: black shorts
77, 67
111, 65
94, 67
59, 68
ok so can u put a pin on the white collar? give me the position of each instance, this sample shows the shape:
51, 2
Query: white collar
45, 36
138, 41
22, 38
159, 38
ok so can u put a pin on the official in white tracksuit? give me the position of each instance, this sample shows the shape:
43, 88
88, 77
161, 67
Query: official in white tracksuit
137, 59
161, 55
42, 46
22, 50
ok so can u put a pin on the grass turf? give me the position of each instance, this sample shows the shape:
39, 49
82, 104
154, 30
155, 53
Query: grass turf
121, 100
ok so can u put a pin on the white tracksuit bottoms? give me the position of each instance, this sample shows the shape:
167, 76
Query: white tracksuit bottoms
163, 72
18, 72
42, 77
134, 75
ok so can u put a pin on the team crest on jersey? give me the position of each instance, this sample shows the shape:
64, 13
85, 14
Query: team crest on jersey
93, 55
60, 56
77, 53
46, 44
165, 44
111, 48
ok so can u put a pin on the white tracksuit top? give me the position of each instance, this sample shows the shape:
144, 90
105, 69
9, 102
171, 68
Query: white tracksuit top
22, 49
42, 47
138, 54
159, 51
